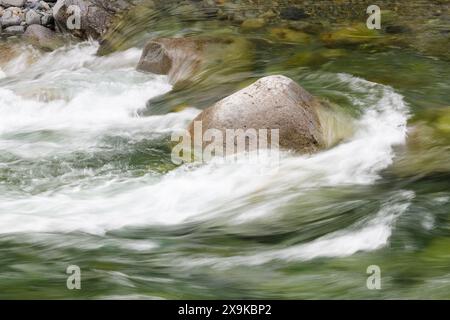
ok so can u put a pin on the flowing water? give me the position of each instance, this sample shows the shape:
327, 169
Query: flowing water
86, 179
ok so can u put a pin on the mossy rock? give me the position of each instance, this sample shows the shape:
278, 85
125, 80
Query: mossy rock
355, 34
287, 35
333, 53
438, 119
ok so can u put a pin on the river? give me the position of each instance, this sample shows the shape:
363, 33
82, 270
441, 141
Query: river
86, 179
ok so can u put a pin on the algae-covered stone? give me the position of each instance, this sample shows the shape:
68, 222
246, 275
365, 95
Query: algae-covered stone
350, 35
43, 37
14, 30
426, 150
186, 59
95, 16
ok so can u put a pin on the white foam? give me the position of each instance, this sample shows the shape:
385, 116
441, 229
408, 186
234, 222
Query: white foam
95, 96
368, 235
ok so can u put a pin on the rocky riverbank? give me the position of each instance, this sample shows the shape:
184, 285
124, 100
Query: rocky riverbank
17, 15
42, 23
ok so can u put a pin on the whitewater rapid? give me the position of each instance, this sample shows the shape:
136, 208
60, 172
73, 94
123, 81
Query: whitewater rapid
77, 99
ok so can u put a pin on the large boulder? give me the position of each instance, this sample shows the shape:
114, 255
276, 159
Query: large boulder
95, 16
273, 102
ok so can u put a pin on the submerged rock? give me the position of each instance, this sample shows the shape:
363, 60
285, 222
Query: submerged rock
17, 16
350, 35
177, 57
220, 67
273, 102
12, 3
7, 53
253, 23
11, 17
185, 59
42, 37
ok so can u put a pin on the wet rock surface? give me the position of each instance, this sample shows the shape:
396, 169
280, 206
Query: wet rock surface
273, 102
81, 18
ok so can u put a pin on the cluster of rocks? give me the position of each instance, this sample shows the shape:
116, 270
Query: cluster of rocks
17, 15
44, 23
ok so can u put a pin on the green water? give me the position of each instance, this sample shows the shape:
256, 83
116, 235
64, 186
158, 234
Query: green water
86, 178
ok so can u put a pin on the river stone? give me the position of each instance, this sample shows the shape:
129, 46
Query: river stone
188, 60
176, 57
273, 102
42, 37
12, 3
47, 20
293, 13
14, 30
11, 17
32, 17
44, 5
354, 34
95, 16
155, 58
